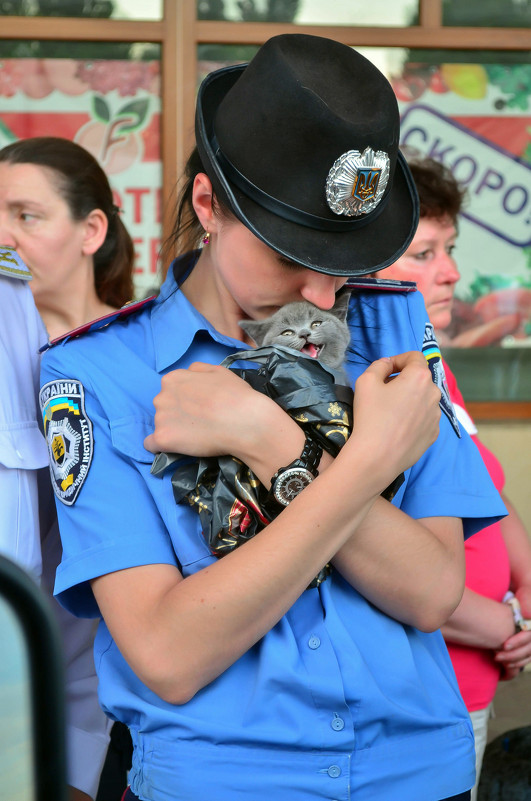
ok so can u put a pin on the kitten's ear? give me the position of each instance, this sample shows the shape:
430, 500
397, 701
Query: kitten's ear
255, 329
340, 307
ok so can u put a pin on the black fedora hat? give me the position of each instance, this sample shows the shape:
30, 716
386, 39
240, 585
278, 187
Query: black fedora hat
302, 145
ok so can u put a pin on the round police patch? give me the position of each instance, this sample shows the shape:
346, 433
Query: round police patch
68, 432
432, 354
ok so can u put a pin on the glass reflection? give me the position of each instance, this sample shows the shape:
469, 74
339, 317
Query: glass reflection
16, 761
471, 111
477, 13
99, 9
312, 12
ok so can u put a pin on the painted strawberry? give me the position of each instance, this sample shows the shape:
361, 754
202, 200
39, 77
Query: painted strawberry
437, 83
408, 87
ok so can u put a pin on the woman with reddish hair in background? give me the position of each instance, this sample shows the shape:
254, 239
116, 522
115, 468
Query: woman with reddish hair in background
484, 639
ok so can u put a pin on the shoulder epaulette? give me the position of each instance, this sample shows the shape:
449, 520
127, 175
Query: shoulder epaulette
12, 265
387, 284
100, 322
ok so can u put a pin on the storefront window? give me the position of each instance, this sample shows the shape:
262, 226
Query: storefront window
311, 12
487, 13
475, 118
102, 9
109, 106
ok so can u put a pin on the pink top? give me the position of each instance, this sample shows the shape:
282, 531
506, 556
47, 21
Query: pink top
487, 573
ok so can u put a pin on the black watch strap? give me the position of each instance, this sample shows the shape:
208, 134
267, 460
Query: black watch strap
309, 459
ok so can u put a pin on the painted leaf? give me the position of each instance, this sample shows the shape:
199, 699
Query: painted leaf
101, 109
136, 112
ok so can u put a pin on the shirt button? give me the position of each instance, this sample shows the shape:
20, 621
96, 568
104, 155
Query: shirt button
334, 771
338, 723
314, 642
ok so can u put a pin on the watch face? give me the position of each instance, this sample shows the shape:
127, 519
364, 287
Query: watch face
290, 483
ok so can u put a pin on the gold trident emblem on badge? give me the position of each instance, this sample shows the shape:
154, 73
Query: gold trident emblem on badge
58, 447
366, 184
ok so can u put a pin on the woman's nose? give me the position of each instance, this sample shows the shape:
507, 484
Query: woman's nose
447, 268
6, 236
320, 289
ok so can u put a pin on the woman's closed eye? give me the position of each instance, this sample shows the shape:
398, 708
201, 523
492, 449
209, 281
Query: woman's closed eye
291, 265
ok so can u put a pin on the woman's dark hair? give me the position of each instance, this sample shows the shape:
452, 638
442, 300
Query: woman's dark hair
186, 229
440, 194
83, 185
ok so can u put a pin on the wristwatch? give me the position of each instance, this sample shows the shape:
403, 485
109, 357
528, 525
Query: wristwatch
289, 481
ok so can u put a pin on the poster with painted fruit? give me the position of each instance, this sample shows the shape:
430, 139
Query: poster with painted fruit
112, 108
475, 119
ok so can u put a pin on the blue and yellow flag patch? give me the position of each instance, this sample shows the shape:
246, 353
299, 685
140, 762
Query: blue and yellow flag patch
432, 354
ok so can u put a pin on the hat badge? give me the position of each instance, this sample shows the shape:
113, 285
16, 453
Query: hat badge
357, 181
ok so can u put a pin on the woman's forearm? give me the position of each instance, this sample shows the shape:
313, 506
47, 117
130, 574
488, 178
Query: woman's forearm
411, 569
479, 622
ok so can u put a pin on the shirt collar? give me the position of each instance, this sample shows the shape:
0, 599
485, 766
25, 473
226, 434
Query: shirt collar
175, 321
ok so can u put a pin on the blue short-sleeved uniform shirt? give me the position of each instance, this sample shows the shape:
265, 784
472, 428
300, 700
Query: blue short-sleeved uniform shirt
338, 700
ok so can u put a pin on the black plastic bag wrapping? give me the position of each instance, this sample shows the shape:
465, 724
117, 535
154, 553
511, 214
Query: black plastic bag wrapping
318, 397
229, 498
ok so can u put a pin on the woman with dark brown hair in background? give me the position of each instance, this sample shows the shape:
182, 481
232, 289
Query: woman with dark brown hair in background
58, 213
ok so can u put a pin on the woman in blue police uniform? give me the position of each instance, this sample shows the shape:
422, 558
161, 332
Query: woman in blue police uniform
235, 680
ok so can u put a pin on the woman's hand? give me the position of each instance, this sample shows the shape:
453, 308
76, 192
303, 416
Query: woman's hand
516, 651
396, 416
208, 410
197, 410
515, 654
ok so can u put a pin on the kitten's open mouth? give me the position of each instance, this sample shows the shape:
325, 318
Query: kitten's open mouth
312, 350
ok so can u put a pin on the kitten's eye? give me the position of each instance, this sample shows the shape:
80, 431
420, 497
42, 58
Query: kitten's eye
287, 333
316, 324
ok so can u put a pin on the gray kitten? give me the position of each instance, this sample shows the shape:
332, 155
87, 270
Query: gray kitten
323, 335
